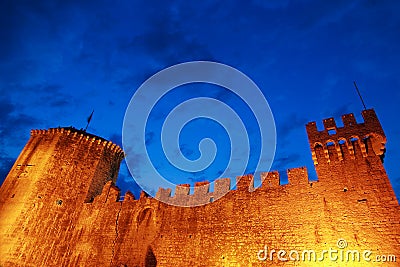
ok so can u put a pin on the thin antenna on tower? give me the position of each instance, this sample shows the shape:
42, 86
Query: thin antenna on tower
88, 120
359, 94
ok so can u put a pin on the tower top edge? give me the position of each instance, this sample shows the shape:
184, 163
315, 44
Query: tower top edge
78, 132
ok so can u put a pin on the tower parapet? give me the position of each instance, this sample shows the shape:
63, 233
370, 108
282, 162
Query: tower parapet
339, 143
81, 135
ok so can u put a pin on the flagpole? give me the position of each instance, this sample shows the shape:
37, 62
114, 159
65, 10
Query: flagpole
359, 94
88, 120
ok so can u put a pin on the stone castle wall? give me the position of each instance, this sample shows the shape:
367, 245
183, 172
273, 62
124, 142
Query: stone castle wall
91, 226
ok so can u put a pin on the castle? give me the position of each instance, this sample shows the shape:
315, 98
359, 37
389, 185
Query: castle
59, 207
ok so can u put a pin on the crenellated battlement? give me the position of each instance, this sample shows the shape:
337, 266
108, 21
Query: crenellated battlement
202, 194
82, 135
354, 139
201, 191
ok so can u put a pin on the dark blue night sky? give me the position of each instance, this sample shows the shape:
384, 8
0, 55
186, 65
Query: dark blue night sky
59, 60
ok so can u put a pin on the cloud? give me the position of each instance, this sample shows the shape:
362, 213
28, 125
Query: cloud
186, 151
312, 15
284, 162
12, 133
53, 96
288, 125
13, 121
116, 139
149, 138
126, 183
5, 166
341, 110
166, 42
271, 4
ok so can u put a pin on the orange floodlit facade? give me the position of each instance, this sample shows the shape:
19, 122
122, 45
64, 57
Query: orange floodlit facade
59, 207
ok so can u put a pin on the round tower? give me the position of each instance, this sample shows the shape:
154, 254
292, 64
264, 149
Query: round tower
57, 171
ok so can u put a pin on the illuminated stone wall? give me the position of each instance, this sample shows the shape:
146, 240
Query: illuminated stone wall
352, 200
41, 198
